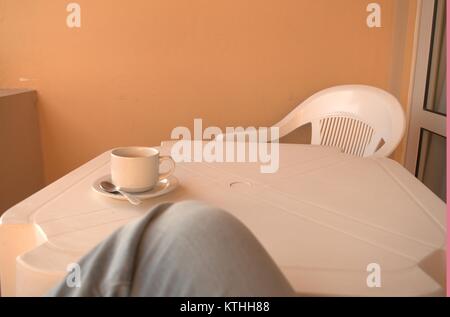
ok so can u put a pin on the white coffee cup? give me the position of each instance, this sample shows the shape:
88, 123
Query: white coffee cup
136, 169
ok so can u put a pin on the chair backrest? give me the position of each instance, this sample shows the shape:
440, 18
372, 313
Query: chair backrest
361, 120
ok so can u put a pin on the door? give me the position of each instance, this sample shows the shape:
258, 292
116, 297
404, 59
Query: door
427, 136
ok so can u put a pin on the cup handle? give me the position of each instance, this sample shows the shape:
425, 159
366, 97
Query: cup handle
171, 170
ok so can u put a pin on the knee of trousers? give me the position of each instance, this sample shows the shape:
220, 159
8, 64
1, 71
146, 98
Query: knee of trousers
190, 217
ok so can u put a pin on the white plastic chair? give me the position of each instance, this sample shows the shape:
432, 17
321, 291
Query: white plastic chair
361, 120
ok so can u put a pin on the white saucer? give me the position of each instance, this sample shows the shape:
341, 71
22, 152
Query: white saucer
163, 187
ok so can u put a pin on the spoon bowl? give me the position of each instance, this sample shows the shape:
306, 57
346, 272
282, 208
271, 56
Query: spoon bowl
113, 189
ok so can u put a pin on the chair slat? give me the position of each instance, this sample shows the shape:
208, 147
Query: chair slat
350, 134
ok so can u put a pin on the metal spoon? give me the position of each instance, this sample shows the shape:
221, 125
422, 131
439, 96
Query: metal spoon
111, 188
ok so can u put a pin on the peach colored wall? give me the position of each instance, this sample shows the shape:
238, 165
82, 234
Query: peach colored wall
136, 69
403, 59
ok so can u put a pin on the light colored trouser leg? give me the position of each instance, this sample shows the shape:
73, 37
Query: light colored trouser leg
185, 249
195, 250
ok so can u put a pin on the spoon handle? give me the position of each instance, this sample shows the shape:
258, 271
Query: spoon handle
132, 199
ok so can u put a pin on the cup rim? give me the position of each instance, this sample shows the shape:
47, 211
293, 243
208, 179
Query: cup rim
146, 152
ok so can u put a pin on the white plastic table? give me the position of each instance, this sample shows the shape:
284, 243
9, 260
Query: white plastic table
324, 217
